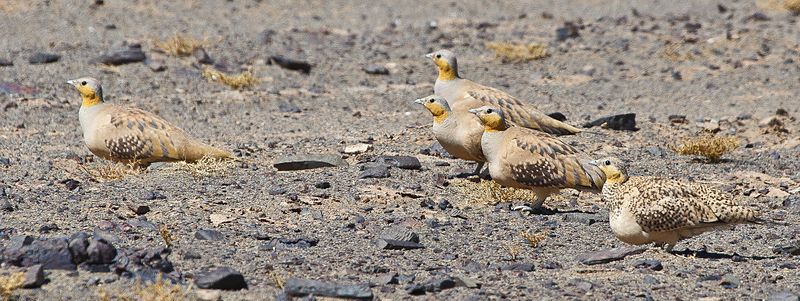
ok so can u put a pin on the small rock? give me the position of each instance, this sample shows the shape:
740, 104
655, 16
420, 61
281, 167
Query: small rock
43, 58
621, 122
288, 107
792, 248
323, 185
291, 64
296, 287
588, 70
78, 243
71, 184
389, 244
444, 205
558, 116
156, 65
402, 162
377, 171
777, 193
730, 281
5, 205
376, 69
139, 209
783, 296
357, 148
100, 251
519, 266
606, 256
222, 278
300, 162
568, 31
47, 228
206, 234
5, 162
655, 151
34, 276
436, 150
650, 264
467, 282
52, 253
757, 16
6, 62
386, 278
399, 233
677, 118
129, 54
153, 195
202, 56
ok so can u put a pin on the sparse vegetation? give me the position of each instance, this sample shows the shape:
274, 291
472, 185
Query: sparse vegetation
179, 45
491, 193
10, 283
710, 147
792, 5
166, 235
111, 171
277, 279
159, 290
206, 166
533, 239
241, 80
672, 51
512, 250
514, 53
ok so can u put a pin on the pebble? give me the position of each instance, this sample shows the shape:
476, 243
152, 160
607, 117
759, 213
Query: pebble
296, 287
291, 64
100, 251
621, 122
357, 148
153, 195
377, 171
401, 233
47, 228
650, 264
568, 31
523, 267
792, 248
323, 185
124, 55
609, 255
5, 205
221, 278
402, 162
288, 107
43, 58
376, 70
390, 244
301, 162
730, 281
436, 150
655, 151
207, 234
139, 209
432, 286
6, 62
385, 278
156, 65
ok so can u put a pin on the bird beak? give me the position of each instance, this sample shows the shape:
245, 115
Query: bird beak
71, 82
420, 101
593, 162
474, 111
429, 55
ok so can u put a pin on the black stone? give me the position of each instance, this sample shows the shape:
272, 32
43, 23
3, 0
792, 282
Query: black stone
71, 184
100, 251
323, 185
223, 278
621, 122
43, 58
51, 253
568, 31
524, 267
139, 209
300, 162
121, 56
296, 287
436, 150
376, 69
402, 162
46, 228
206, 234
153, 195
650, 264
6, 62
291, 64
202, 56
432, 286
377, 171
390, 244
78, 245
558, 116
606, 256
294, 242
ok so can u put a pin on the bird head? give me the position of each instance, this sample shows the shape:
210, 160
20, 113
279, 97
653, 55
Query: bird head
445, 61
437, 105
90, 89
615, 170
492, 118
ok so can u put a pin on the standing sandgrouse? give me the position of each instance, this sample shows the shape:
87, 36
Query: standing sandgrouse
644, 210
457, 90
458, 131
131, 135
525, 158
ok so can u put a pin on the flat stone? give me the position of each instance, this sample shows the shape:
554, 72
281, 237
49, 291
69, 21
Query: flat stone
402, 162
121, 56
621, 122
51, 253
6, 62
376, 70
609, 255
386, 278
206, 234
288, 107
300, 162
524, 267
783, 296
792, 248
43, 58
296, 287
378, 171
291, 64
390, 244
399, 233
436, 150
34, 276
139, 209
650, 264
222, 278
357, 148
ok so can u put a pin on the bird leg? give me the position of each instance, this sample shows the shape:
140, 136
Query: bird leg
535, 208
478, 168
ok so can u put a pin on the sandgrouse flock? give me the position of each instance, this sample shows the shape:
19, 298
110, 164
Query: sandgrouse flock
473, 122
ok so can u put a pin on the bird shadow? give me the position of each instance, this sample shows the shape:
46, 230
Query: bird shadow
713, 255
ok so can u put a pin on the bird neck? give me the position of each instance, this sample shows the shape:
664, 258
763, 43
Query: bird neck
91, 99
617, 178
440, 116
447, 72
494, 125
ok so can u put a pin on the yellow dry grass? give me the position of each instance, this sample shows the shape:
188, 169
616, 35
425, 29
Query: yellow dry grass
672, 52
159, 290
710, 147
167, 236
238, 81
10, 283
792, 6
111, 171
206, 166
514, 53
179, 45
491, 193
533, 239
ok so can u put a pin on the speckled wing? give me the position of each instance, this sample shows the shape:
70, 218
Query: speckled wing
521, 114
539, 160
666, 205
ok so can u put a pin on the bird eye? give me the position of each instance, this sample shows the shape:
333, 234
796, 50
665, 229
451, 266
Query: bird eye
83, 83
438, 56
607, 162
488, 111
431, 100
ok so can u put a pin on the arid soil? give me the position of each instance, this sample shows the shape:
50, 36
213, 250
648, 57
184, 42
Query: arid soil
731, 68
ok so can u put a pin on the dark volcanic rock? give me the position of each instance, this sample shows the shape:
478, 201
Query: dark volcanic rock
399, 233
291, 64
621, 122
792, 248
436, 150
139, 209
34, 276
288, 107
300, 162
6, 62
402, 162
100, 251
78, 244
390, 244
558, 116
436, 285
386, 278
206, 234
520, 266
223, 278
377, 171
605, 256
295, 242
43, 58
202, 56
296, 287
5, 205
376, 69
153, 195
144, 264
124, 55
650, 264
569, 31
51, 253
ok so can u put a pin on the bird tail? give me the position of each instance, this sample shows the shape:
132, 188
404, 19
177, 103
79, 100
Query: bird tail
741, 214
550, 125
587, 177
201, 150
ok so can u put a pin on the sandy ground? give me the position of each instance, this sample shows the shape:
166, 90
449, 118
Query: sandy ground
734, 71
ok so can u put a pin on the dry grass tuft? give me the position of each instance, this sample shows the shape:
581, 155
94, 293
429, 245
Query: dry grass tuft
206, 166
159, 290
491, 193
10, 283
710, 147
514, 53
533, 239
792, 5
279, 281
672, 52
241, 80
112, 171
512, 250
179, 45
167, 236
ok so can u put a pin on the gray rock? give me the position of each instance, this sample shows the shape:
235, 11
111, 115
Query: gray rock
288, 107
466, 282
50, 253
402, 162
202, 56
156, 65
783, 296
399, 233
376, 69
296, 287
519, 266
34, 276
206, 234
621, 122
291, 64
606, 256
650, 264
568, 31
436, 150
153, 195
300, 162
139, 209
6, 62
432, 286
123, 55
100, 251
223, 278
792, 248
386, 278
5, 205
655, 151
390, 244
78, 245
43, 58
730, 281
377, 171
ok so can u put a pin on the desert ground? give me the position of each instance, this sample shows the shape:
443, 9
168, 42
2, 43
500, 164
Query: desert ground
687, 69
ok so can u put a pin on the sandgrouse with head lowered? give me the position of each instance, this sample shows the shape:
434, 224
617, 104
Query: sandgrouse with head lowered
460, 91
646, 210
525, 158
130, 135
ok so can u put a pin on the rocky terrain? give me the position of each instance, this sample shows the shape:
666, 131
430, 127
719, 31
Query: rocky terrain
384, 216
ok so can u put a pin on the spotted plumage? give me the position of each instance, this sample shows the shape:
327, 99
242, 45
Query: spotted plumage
471, 95
525, 158
664, 211
131, 135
